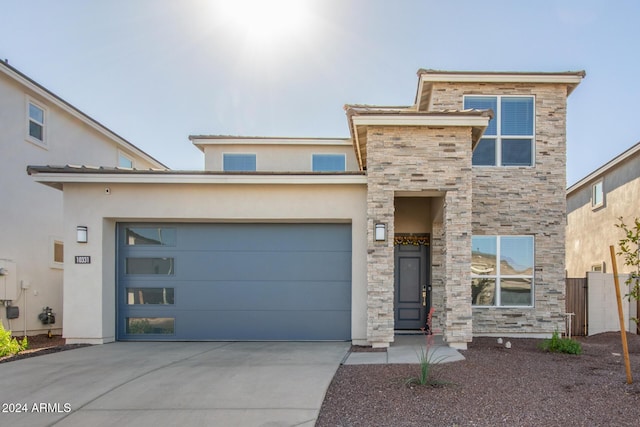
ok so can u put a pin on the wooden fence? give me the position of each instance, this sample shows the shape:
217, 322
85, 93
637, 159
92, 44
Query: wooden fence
576, 302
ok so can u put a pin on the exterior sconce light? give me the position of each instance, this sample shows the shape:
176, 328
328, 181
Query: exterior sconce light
380, 232
82, 234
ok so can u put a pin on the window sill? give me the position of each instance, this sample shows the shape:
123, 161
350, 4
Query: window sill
37, 142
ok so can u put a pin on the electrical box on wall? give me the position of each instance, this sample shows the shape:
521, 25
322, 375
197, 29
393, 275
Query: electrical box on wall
8, 280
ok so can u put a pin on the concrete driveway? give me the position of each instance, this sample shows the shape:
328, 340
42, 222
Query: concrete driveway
168, 384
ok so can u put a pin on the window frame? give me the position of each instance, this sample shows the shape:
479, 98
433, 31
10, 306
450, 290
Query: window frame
255, 157
53, 241
499, 137
336, 155
498, 276
594, 188
42, 143
123, 155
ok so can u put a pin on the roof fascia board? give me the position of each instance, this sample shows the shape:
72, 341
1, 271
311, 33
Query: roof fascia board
501, 78
68, 108
605, 168
67, 178
269, 141
431, 120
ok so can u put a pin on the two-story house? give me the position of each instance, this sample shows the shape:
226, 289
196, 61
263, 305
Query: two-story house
454, 203
38, 127
594, 206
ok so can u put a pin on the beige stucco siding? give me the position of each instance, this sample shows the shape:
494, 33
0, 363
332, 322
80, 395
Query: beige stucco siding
591, 231
523, 201
279, 158
31, 213
90, 289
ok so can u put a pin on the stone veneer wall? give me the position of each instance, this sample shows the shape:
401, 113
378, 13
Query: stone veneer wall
412, 158
523, 200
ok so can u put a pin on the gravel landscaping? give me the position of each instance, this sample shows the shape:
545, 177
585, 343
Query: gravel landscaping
521, 386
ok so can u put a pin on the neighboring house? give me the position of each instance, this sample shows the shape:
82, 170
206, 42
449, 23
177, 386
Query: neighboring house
594, 206
38, 127
455, 202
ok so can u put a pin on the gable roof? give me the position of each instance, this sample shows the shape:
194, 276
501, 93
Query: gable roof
610, 165
51, 97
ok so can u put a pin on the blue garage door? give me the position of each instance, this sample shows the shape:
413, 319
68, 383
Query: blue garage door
234, 282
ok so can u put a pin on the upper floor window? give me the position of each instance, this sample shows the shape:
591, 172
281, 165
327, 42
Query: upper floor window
36, 122
124, 161
502, 271
328, 162
509, 138
597, 195
233, 162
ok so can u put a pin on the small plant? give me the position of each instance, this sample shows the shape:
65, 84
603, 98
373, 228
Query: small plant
427, 364
561, 345
9, 345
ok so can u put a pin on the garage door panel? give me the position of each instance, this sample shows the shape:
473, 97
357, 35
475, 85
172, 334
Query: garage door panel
264, 237
190, 265
264, 265
264, 295
255, 325
236, 282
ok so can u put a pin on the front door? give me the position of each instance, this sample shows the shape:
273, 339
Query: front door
412, 287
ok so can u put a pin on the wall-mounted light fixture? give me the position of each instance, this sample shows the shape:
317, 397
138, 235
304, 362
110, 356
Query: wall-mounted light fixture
82, 234
380, 232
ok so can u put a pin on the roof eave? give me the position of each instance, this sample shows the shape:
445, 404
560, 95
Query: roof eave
70, 109
426, 77
596, 174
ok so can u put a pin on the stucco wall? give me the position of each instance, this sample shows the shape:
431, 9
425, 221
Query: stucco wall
90, 289
523, 201
413, 215
280, 158
31, 213
590, 231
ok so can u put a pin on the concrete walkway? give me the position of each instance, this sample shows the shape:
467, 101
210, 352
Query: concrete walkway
171, 384
407, 349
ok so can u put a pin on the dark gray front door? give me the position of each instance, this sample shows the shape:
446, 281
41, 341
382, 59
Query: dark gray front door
411, 280
234, 282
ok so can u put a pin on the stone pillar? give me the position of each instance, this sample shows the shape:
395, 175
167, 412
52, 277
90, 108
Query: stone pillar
458, 321
380, 271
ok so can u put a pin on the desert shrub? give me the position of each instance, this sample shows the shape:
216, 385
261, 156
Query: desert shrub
561, 345
9, 345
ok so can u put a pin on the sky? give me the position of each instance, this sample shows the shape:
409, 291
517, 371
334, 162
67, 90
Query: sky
157, 71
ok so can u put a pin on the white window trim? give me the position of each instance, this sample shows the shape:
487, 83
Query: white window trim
126, 156
244, 154
52, 262
510, 276
498, 136
594, 205
44, 124
344, 158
